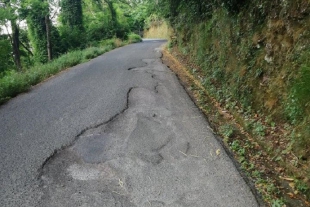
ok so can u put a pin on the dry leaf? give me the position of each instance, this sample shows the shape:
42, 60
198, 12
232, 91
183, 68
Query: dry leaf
218, 152
285, 178
291, 195
292, 185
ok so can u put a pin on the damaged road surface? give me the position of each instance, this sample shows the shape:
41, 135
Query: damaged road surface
119, 130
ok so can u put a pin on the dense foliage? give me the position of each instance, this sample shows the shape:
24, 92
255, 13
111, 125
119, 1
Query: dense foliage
35, 15
72, 26
37, 31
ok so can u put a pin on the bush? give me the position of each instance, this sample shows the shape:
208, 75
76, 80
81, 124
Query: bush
11, 84
133, 38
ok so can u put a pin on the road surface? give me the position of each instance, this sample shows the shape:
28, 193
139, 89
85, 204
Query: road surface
116, 131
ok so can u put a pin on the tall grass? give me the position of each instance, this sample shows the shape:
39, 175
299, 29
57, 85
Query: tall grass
158, 31
14, 83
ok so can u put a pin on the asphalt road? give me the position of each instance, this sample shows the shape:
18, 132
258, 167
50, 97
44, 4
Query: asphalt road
117, 131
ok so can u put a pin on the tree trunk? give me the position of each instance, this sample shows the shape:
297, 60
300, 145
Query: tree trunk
113, 13
48, 38
15, 45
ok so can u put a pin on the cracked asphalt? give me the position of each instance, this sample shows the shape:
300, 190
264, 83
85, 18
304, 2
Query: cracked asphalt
118, 131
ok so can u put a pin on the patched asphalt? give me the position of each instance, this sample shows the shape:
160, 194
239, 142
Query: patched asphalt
119, 130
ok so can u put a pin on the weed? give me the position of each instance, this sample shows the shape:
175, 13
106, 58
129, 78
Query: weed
230, 104
277, 203
235, 145
278, 158
249, 124
241, 151
300, 139
259, 72
302, 186
227, 131
218, 75
271, 188
256, 174
269, 191
293, 110
259, 129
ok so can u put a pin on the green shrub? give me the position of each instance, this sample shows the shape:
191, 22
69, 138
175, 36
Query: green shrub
227, 130
259, 129
12, 84
108, 43
133, 38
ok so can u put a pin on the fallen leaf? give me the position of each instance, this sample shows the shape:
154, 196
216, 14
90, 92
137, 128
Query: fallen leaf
279, 169
292, 185
218, 152
286, 178
291, 195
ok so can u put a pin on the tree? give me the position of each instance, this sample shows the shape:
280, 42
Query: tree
5, 54
8, 11
42, 33
48, 37
36, 12
71, 18
15, 44
72, 13
113, 13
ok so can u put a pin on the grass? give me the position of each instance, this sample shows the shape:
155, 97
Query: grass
14, 83
299, 100
160, 31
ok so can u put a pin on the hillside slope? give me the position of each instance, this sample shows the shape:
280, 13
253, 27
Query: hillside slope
253, 58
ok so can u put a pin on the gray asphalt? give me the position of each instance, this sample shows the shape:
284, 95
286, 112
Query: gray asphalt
117, 131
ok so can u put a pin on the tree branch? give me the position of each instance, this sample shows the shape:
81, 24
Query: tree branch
28, 50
